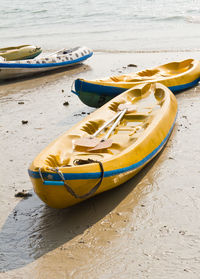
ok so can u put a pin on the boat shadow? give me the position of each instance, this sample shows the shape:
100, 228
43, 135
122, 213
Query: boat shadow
69, 70
32, 229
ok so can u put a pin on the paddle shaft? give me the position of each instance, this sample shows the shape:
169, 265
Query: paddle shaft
121, 114
105, 142
95, 143
51, 54
106, 124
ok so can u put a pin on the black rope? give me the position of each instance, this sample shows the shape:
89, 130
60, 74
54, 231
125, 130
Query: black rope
94, 189
84, 161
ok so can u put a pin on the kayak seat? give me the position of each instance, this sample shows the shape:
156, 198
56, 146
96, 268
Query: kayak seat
148, 73
55, 161
177, 67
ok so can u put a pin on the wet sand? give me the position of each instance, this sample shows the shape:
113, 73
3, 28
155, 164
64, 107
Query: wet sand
146, 228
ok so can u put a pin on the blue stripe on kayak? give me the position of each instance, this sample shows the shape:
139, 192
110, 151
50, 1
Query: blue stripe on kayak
181, 87
82, 86
93, 175
44, 65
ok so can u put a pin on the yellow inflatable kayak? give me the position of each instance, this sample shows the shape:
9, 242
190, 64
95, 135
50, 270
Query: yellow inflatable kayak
106, 148
20, 52
177, 76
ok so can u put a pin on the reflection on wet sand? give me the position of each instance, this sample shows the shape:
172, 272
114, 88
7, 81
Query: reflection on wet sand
8, 87
33, 229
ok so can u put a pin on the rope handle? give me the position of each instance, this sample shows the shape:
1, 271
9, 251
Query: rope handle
68, 188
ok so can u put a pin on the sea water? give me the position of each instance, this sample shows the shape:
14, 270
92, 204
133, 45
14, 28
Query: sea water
103, 25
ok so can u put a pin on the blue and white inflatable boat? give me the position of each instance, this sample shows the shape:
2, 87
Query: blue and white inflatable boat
58, 60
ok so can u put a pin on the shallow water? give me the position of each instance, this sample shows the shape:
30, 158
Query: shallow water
139, 25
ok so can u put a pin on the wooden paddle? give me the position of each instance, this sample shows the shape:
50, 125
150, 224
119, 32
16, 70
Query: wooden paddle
92, 141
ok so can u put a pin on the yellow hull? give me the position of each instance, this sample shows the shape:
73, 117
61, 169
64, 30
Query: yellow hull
139, 137
170, 75
177, 76
20, 52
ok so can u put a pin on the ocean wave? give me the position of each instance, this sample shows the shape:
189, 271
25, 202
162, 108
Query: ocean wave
169, 18
193, 19
39, 11
146, 51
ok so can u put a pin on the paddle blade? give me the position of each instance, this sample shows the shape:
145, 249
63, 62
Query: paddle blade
102, 145
87, 142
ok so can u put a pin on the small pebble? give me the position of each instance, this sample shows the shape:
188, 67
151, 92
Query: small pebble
23, 194
131, 65
81, 241
66, 104
182, 232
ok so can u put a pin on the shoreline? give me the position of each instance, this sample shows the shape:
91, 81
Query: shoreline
145, 227
148, 51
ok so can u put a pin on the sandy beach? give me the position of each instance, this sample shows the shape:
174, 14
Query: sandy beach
146, 228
